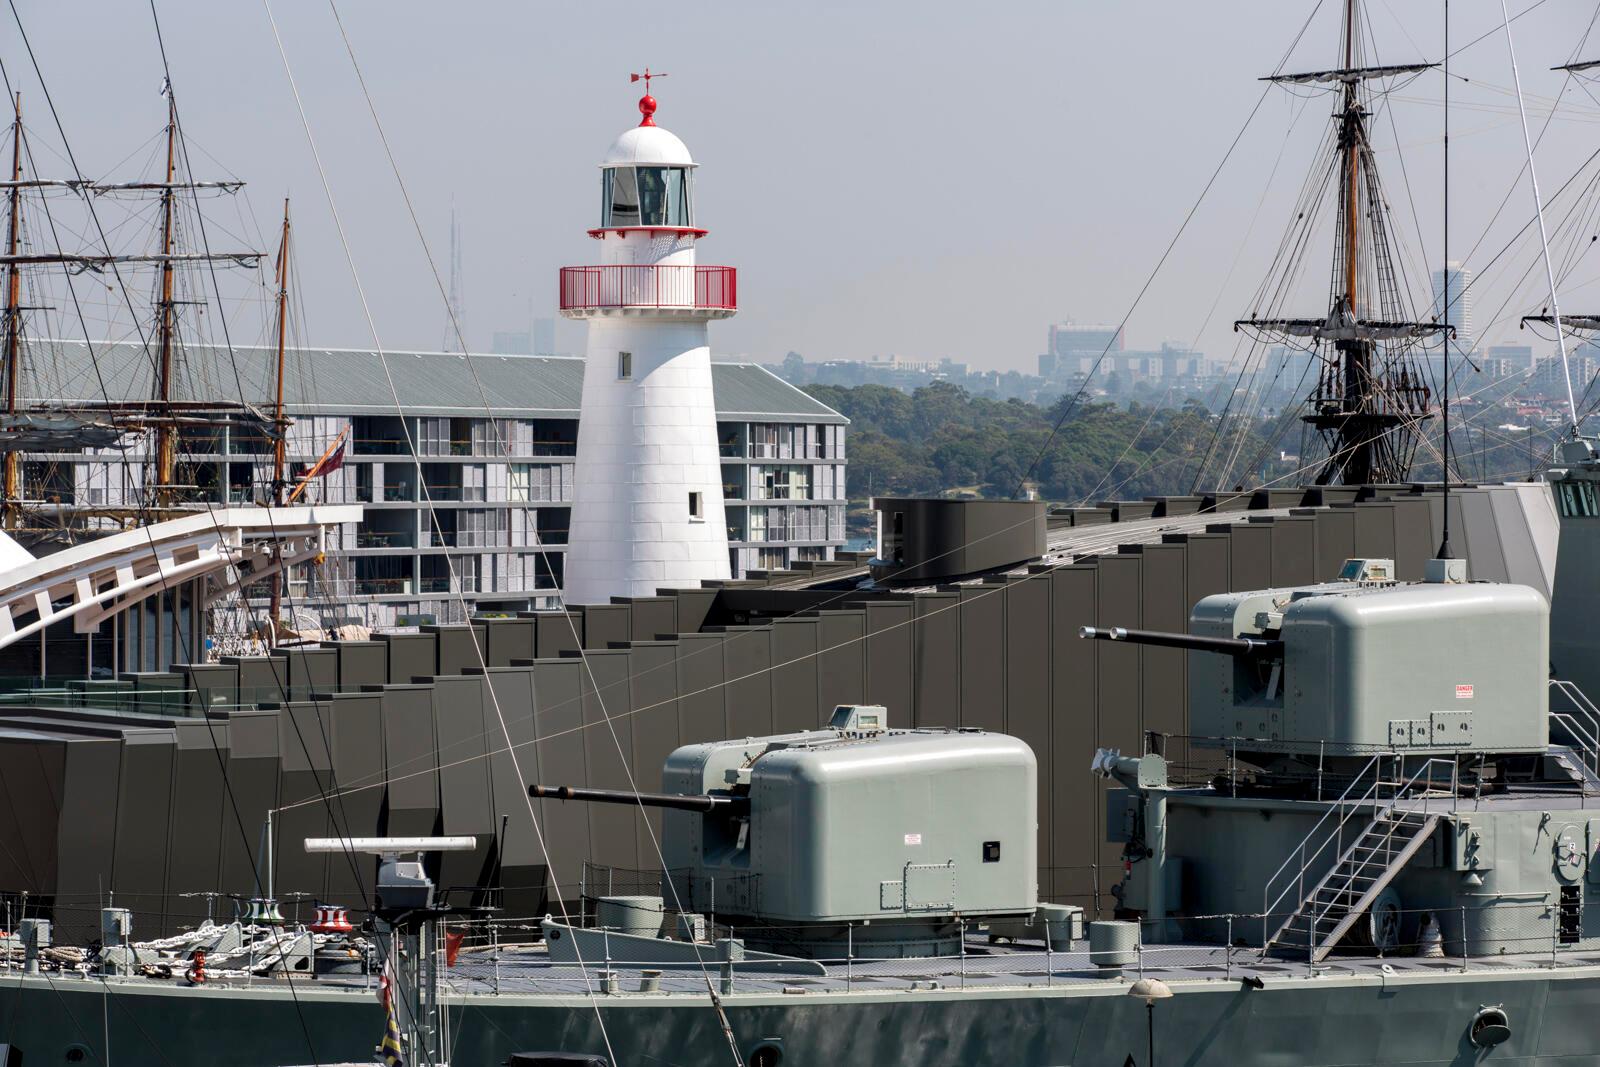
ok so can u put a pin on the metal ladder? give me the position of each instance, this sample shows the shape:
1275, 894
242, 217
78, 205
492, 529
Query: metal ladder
1354, 881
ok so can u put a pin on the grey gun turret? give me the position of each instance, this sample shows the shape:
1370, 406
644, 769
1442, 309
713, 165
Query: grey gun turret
855, 837
1358, 666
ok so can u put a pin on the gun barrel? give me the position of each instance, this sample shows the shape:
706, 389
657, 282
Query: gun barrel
690, 802
1227, 646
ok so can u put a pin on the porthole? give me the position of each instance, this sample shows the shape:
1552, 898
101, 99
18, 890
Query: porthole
77, 1053
555, 935
766, 1056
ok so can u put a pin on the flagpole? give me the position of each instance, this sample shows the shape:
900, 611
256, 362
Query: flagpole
316, 468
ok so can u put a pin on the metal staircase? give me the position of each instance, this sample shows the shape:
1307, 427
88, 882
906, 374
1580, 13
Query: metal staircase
1353, 883
1362, 858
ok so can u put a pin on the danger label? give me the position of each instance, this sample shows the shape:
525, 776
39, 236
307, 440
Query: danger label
1463, 692
913, 839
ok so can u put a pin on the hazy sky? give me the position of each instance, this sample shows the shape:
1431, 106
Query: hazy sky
929, 179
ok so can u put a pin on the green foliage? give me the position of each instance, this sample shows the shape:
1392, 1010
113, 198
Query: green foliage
942, 439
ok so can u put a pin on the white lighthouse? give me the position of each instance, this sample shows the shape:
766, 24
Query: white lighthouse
647, 505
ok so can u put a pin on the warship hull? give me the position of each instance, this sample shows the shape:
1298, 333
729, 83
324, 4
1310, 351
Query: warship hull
1421, 1020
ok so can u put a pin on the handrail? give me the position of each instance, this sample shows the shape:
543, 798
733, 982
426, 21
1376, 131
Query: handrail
1338, 805
1318, 914
1347, 808
650, 285
1581, 705
1590, 743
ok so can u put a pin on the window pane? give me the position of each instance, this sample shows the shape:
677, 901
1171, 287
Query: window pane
652, 196
677, 198
624, 197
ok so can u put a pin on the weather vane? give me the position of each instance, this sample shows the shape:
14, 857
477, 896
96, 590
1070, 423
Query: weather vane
647, 103
645, 77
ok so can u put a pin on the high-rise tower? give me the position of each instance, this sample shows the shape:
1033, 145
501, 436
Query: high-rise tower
1452, 303
647, 506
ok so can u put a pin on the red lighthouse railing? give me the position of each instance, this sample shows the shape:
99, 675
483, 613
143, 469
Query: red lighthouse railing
649, 285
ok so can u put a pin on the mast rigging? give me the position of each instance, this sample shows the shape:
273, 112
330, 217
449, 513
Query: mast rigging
1371, 394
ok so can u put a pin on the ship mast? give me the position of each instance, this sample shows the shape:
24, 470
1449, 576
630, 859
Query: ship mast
1370, 396
280, 426
166, 429
13, 481
1352, 162
280, 443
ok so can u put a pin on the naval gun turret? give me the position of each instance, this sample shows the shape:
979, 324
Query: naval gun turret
1385, 762
1330, 674
854, 839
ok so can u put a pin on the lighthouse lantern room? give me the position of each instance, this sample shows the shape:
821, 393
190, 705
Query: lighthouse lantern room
647, 508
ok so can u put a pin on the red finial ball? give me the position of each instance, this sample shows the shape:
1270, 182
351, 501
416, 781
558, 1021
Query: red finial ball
647, 108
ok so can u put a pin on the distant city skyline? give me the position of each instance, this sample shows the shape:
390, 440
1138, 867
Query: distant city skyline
1044, 207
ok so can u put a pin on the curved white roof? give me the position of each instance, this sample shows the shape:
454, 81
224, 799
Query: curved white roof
648, 146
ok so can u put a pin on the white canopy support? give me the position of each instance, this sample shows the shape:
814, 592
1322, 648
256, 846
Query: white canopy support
384, 846
97, 579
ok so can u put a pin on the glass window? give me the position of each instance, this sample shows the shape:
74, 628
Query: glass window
621, 197
624, 366
646, 196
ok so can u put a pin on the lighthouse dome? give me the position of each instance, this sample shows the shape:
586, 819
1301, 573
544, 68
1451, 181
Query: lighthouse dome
648, 146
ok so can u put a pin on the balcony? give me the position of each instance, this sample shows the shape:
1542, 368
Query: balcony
706, 291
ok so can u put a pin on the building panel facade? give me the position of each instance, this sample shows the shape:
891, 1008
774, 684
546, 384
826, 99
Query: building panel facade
467, 487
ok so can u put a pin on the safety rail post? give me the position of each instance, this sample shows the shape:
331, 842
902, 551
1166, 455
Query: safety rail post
963, 957
1227, 951
849, 956
1464, 953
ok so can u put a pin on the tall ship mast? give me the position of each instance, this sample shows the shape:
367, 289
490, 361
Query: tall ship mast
1372, 396
165, 412
23, 428
31, 424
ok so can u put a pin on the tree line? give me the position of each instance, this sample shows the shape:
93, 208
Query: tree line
942, 439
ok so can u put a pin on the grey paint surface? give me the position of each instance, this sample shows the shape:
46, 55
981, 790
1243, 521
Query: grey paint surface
411, 655
410, 754
201, 821
147, 788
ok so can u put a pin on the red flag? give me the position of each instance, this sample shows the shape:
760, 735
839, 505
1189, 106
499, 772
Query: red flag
328, 464
452, 947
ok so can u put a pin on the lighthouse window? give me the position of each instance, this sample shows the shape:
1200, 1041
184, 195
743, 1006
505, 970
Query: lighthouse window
696, 508
646, 196
624, 366
621, 197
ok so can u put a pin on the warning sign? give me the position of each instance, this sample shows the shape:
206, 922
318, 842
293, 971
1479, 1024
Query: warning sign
1463, 692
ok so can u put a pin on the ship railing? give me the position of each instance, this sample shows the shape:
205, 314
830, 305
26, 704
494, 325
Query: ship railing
1477, 935
1581, 720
